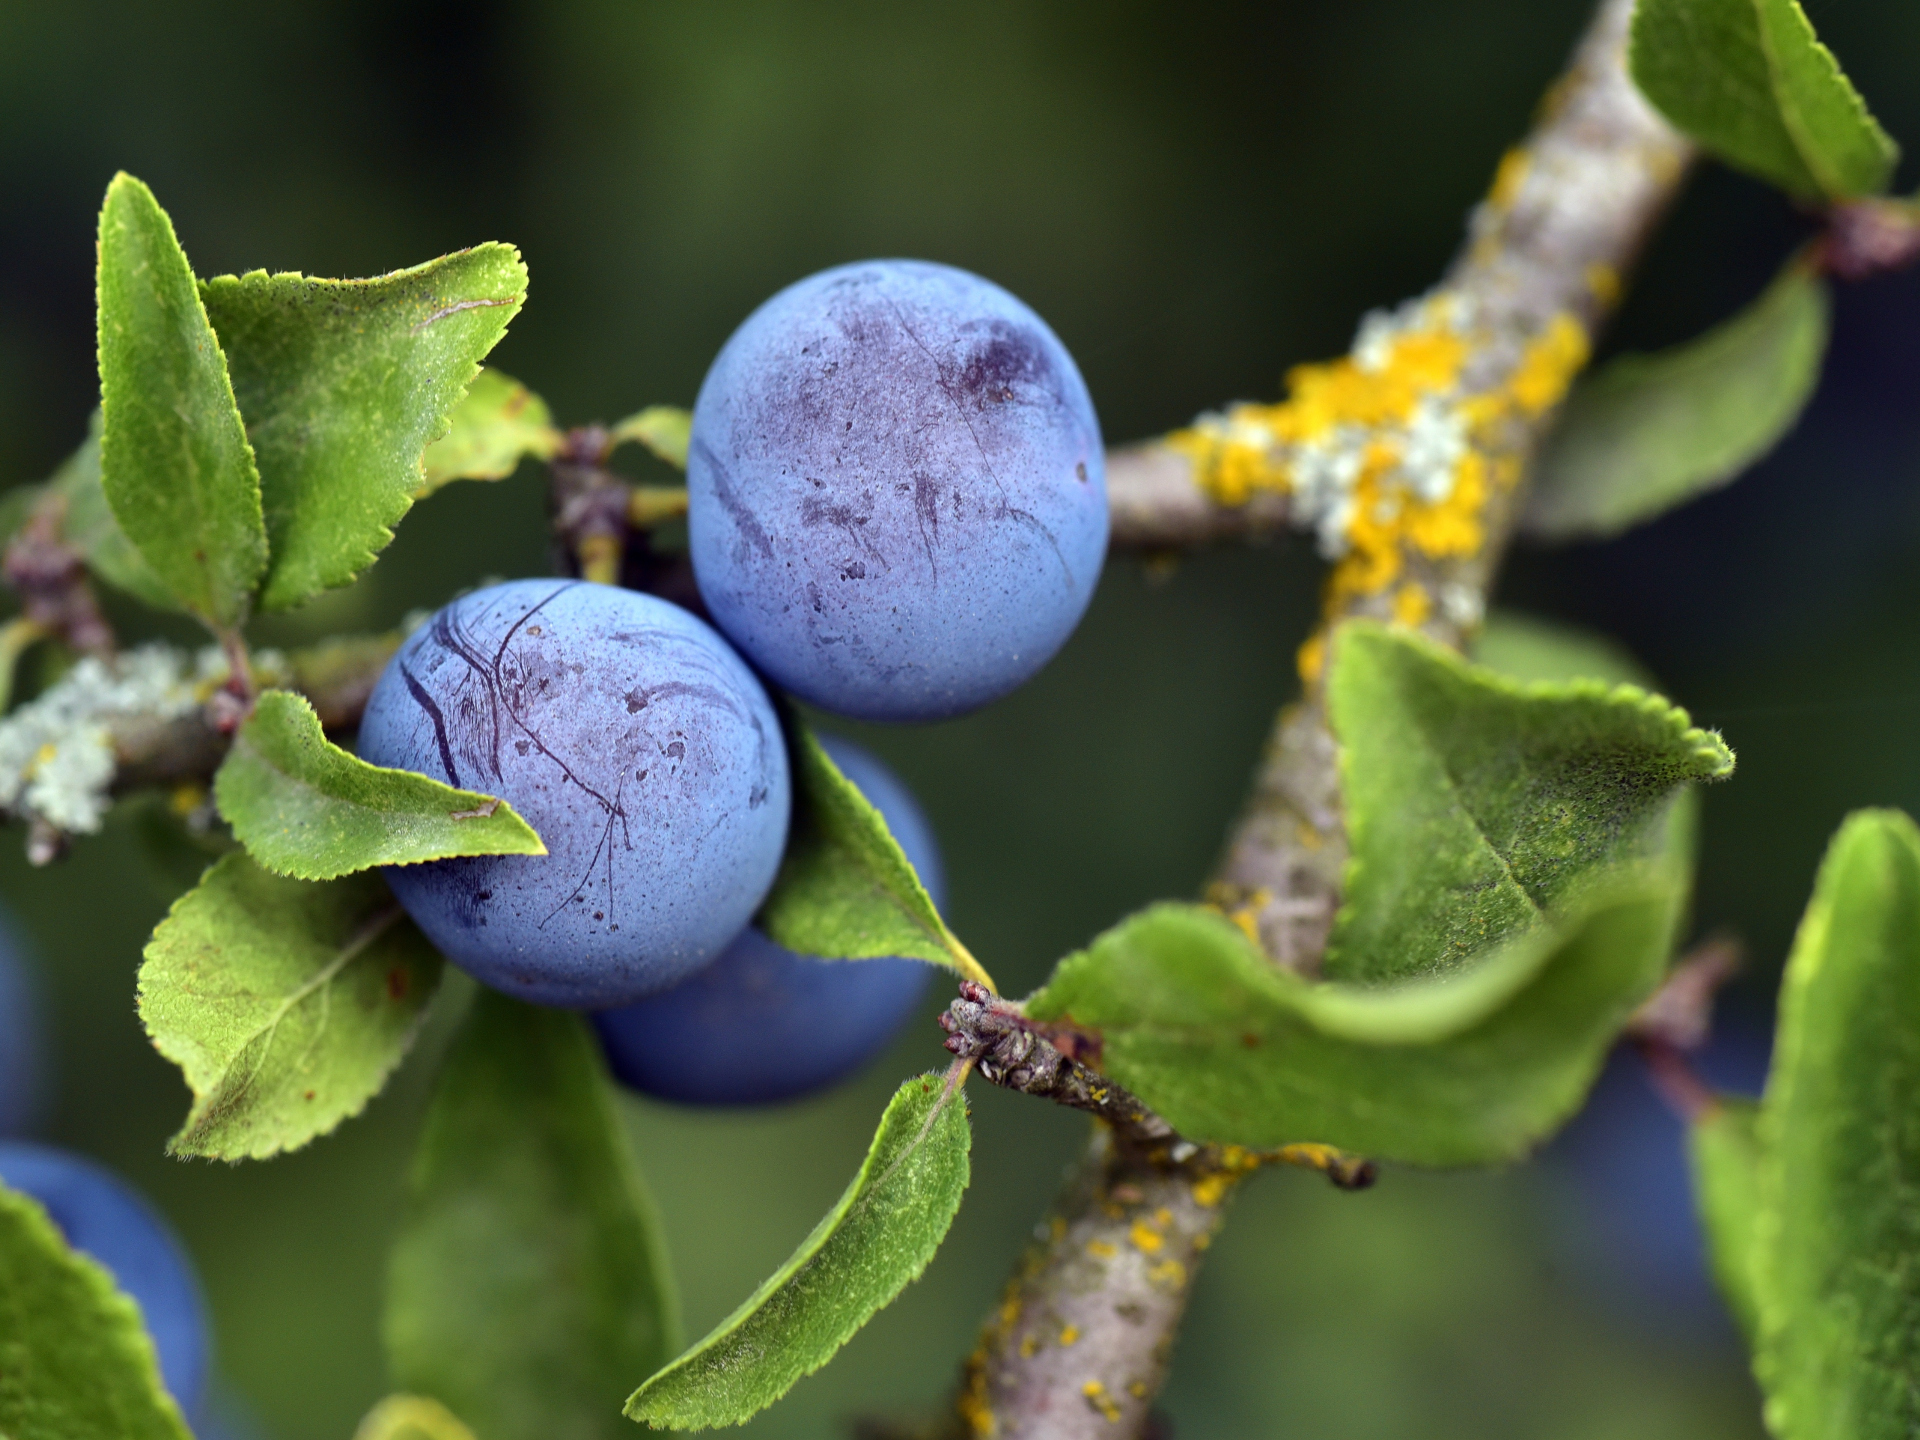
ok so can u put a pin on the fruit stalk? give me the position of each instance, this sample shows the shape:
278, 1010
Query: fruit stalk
1541, 269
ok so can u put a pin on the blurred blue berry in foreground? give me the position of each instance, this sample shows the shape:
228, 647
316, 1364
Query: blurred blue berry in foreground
106, 1218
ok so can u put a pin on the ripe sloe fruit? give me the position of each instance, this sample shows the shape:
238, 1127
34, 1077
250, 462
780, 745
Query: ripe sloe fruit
897, 491
633, 739
761, 1023
104, 1216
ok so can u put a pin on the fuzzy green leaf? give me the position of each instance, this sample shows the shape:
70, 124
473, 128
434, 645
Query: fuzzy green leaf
304, 807
1520, 865
500, 422
1839, 1229
528, 1286
286, 1004
865, 1252
1476, 805
344, 384
1650, 432
845, 887
1462, 1070
89, 527
1724, 1148
76, 1362
175, 463
1752, 83
663, 429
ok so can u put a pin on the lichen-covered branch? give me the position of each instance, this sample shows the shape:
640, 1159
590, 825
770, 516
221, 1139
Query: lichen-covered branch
153, 717
1405, 458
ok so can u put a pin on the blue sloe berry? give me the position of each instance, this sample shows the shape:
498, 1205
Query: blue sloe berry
897, 491
106, 1218
633, 739
761, 1023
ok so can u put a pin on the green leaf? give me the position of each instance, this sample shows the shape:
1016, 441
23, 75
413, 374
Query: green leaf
663, 429
845, 887
89, 527
76, 1361
411, 1417
175, 464
1462, 1070
304, 807
1751, 82
344, 384
1477, 805
528, 1286
1839, 1230
286, 1004
499, 423
1650, 432
1724, 1148
865, 1252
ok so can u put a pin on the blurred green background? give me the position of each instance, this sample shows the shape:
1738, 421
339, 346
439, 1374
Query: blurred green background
1196, 197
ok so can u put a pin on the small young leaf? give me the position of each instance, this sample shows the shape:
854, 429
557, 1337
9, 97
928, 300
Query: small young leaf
1650, 432
1467, 1069
304, 807
175, 463
411, 1417
344, 384
1724, 1148
864, 1253
1838, 1289
663, 429
528, 1286
498, 423
89, 527
76, 1361
1476, 806
286, 1004
845, 888
1751, 82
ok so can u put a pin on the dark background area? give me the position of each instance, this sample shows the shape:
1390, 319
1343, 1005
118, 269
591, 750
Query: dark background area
1196, 197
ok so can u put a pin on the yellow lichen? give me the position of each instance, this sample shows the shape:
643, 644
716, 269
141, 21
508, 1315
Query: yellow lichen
1411, 604
1098, 1398
1548, 365
1069, 1334
1168, 1273
1508, 176
1144, 1237
1102, 1249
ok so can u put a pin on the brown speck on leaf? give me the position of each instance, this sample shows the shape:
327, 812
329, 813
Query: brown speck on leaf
397, 984
310, 1094
479, 812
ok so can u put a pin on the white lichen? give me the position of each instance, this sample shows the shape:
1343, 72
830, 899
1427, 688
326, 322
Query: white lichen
56, 751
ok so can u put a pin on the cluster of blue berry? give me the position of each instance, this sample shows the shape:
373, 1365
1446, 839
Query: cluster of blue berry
897, 512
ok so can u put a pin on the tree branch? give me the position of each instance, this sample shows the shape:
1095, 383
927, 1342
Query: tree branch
1080, 1343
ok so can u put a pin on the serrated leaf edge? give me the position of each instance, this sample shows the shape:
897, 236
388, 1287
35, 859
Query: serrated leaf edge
857, 1192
